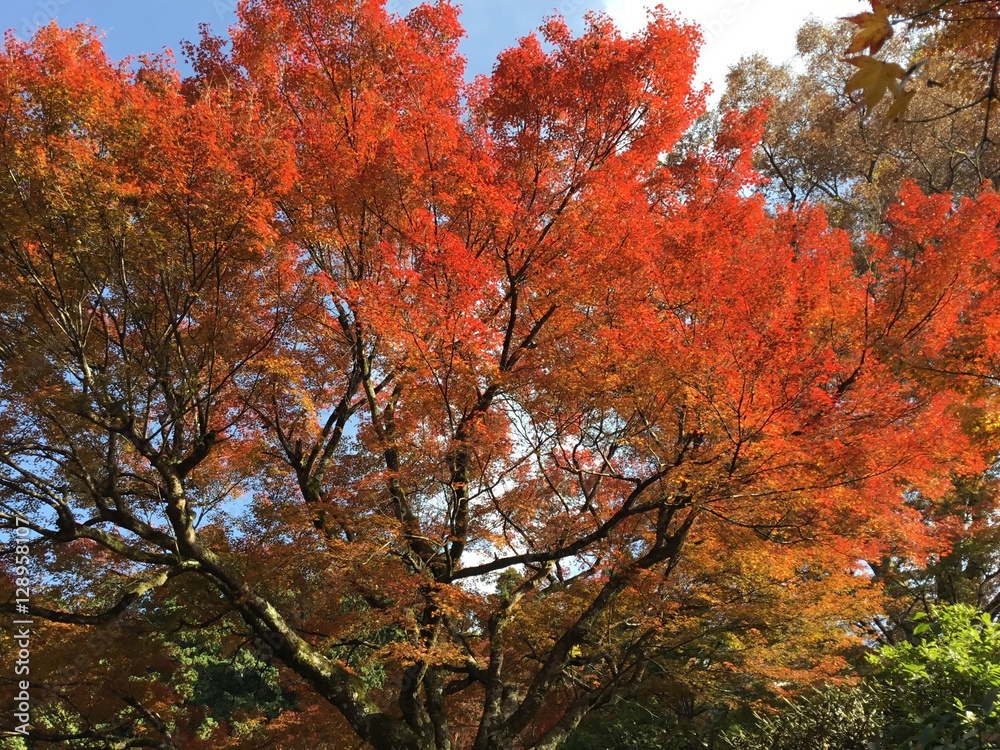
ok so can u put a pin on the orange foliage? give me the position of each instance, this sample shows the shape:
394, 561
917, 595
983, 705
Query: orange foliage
465, 401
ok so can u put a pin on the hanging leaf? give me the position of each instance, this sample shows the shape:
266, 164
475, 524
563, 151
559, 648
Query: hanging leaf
874, 29
901, 100
875, 78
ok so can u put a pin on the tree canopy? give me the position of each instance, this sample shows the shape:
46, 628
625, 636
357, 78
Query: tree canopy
463, 405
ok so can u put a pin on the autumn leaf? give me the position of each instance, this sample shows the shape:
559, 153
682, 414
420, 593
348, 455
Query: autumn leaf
875, 78
874, 29
901, 100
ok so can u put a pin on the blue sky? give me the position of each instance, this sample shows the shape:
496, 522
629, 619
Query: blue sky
134, 26
732, 27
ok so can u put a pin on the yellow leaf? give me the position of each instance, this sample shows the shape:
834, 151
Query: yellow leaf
874, 78
874, 29
902, 101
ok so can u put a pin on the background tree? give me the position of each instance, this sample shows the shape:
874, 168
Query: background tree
818, 146
962, 36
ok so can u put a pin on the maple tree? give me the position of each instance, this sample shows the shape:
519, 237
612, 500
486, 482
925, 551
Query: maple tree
461, 402
817, 148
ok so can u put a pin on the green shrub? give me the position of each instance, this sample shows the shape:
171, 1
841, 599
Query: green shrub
940, 690
837, 718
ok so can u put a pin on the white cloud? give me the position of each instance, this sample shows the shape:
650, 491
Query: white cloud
734, 28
